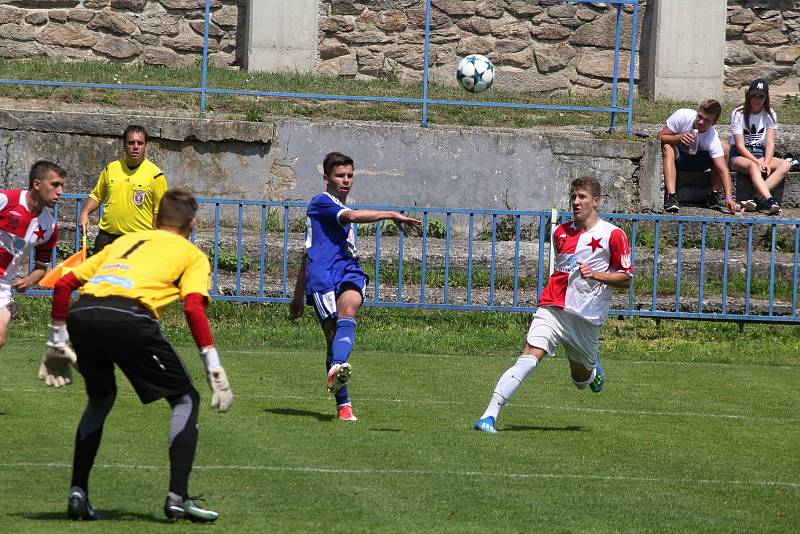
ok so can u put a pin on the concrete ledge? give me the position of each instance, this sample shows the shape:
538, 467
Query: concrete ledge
170, 129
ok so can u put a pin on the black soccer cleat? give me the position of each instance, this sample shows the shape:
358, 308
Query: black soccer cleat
78, 507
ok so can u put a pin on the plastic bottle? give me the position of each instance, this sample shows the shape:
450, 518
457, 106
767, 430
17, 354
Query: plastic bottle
693, 147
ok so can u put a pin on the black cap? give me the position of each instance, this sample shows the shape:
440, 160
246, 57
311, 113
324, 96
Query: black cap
759, 86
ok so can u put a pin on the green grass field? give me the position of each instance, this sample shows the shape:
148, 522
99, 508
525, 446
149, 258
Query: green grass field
686, 437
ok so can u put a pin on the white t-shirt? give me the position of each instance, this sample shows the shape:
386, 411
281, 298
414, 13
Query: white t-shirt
755, 134
682, 121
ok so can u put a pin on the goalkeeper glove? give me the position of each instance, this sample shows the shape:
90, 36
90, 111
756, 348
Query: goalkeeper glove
221, 394
59, 358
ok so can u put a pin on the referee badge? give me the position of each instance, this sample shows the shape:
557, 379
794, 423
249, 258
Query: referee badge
139, 196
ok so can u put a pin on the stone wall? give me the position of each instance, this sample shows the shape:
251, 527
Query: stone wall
539, 45
763, 41
163, 32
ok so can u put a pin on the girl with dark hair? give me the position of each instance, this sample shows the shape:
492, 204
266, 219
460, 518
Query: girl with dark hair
753, 128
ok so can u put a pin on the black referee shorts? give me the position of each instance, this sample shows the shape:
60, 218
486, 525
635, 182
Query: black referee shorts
109, 331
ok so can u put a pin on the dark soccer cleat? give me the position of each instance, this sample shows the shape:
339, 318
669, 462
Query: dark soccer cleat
78, 507
176, 510
599, 381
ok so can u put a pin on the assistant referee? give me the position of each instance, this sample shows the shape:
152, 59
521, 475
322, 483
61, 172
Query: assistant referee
131, 188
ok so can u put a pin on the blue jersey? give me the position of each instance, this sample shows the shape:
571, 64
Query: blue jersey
330, 245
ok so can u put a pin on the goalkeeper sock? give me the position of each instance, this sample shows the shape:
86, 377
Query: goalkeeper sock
509, 383
87, 439
182, 440
344, 339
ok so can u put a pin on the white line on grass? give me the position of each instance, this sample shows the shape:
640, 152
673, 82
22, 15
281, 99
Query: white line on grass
426, 472
434, 402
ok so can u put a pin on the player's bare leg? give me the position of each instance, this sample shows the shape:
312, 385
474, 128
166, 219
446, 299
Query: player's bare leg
582, 377
5, 318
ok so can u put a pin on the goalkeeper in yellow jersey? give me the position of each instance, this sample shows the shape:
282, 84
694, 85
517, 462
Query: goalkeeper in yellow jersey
124, 289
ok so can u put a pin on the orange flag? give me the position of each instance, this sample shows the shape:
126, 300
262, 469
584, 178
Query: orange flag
63, 268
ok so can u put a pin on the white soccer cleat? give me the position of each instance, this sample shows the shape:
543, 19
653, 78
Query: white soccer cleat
338, 376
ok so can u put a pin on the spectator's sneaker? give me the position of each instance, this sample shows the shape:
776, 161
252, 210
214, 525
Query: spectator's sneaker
346, 413
79, 508
599, 381
749, 205
769, 205
485, 425
671, 203
715, 200
338, 376
177, 509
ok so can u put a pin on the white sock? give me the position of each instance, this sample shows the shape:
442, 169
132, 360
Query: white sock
509, 383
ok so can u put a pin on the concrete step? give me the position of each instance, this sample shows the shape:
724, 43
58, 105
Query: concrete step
694, 186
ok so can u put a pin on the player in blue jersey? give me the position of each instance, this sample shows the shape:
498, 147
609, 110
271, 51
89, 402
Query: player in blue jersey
330, 277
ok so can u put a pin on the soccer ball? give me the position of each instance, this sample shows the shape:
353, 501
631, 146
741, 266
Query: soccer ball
475, 73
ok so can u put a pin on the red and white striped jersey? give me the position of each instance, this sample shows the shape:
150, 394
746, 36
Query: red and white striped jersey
604, 247
19, 230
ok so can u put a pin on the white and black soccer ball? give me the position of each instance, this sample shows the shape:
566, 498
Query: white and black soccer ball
475, 73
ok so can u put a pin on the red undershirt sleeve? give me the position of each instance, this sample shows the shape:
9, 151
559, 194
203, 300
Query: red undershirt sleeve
61, 292
194, 306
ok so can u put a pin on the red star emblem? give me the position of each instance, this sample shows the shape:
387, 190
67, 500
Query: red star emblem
39, 233
595, 243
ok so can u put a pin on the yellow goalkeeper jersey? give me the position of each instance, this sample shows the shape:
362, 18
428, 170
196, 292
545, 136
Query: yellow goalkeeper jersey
131, 196
154, 267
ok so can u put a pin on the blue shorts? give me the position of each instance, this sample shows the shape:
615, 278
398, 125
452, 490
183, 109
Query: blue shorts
324, 301
757, 151
687, 162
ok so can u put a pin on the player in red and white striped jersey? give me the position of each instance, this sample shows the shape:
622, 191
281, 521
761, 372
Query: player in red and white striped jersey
26, 222
593, 256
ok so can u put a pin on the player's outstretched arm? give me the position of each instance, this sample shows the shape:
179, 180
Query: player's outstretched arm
368, 216
298, 300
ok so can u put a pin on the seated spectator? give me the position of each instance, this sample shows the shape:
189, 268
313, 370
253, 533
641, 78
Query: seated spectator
689, 142
753, 128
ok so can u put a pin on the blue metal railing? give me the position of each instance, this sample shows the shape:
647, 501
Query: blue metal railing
424, 101
727, 268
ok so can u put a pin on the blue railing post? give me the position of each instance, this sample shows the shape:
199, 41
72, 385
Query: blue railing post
425, 53
204, 81
614, 84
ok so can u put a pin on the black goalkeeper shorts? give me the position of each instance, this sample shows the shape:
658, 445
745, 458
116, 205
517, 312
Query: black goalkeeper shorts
109, 331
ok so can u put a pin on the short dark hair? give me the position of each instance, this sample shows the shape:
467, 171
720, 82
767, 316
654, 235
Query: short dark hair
41, 169
334, 159
712, 107
587, 183
135, 128
176, 209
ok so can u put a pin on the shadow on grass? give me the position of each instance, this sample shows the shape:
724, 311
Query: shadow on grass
105, 515
526, 428
301, 413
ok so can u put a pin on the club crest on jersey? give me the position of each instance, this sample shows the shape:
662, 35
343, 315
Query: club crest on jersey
139, 196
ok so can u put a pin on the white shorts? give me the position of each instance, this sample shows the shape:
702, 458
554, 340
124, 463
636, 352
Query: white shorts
581, 339
7, 302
